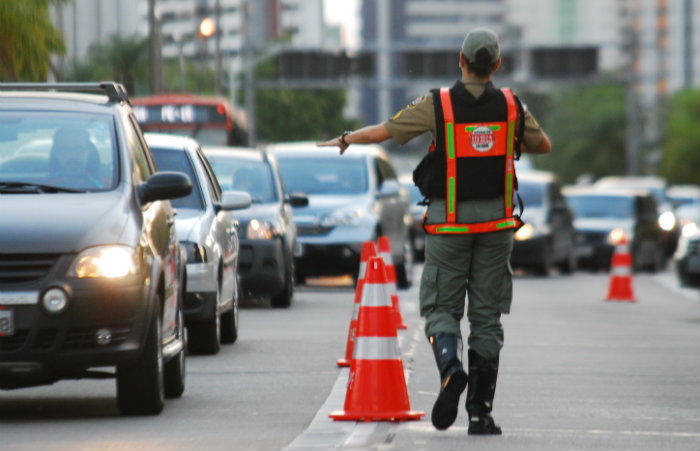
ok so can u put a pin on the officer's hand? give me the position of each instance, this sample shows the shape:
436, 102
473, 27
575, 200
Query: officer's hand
335, 142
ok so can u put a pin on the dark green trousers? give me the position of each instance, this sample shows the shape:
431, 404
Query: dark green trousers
475, 269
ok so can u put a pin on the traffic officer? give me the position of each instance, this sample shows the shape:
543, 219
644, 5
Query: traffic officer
469, 178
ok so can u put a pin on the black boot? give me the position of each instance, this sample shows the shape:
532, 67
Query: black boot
482, 388
448, 356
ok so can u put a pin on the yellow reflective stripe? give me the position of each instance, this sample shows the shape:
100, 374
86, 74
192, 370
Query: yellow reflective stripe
511, 126
471, 128
509, 191
450, 141
452, 229
503, 224
451, 200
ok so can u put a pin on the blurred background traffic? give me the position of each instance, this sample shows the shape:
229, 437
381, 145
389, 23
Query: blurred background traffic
616, 85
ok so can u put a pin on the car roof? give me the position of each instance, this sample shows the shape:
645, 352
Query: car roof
648, 181
90, 103
594, 190
310, 148
691, 191
248, 153
169, 141
536, 176
63, 95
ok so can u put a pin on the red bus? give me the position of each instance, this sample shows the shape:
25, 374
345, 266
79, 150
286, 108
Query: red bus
209, 120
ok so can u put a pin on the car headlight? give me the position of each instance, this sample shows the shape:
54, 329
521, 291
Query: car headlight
105, 261
616, 236
349, 217
689, 229
262, 230
667, 220
194, 252
525, 232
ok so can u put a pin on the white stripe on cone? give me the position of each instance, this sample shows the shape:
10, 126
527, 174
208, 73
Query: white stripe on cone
376, 348
375, 295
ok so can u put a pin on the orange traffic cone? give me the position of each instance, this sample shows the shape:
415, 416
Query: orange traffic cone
384, 249
376, 388
620, 288
368, 251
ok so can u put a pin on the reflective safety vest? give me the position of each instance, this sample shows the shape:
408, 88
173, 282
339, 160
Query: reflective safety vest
477, 154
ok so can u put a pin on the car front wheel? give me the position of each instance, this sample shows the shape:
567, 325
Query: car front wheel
140, 385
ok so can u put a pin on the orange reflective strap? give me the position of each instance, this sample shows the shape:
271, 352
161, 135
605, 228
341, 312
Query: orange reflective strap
451, 182
478, 227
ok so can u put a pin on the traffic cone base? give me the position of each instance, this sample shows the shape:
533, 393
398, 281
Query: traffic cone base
376, 389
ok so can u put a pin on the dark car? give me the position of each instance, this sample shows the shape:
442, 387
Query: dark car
687, 259
353, 198
206, 228
547, 238
268, 235
606, 216
91, 265
417, 212
668, 222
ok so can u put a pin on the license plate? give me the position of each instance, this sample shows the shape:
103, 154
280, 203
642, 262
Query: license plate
7, 324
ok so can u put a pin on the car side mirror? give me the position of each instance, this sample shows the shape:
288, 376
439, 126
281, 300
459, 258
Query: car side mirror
233, 200
297, 199
390, 188
164, 185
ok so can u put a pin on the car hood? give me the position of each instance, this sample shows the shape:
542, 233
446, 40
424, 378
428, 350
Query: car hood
602, 224
61, 223
261, 212
321, 205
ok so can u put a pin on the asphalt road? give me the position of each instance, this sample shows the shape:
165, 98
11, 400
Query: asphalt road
577, 373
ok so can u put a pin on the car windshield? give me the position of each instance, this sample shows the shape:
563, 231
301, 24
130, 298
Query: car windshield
617, 207
178, 161
242, 174
531, 193
318, 175
53, 151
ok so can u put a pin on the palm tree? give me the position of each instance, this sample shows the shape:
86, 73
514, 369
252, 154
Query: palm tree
123, 59
27, 39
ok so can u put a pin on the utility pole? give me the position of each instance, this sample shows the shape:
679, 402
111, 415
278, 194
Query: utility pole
154, 57
383, 59
249, 75
632, 115
217, 48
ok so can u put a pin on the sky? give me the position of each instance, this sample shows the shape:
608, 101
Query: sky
345, 13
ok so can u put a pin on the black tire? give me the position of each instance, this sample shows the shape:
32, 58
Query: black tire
205, 337
404, 271
229, 320
284, 298
174, 372
140, 385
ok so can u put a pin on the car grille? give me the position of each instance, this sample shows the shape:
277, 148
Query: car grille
312, 229
18, 268
14, 342
694, 246
84, 337
592, 238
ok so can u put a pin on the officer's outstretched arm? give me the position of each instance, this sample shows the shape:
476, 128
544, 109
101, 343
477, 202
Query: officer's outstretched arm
366, 135
545, 146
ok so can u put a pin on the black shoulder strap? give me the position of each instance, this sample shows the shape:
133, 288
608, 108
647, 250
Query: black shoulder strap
520, 132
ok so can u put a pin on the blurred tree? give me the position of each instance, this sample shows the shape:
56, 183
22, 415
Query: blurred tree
27, 40
197, 79
296, 114
680, 162
586, 125
123, 59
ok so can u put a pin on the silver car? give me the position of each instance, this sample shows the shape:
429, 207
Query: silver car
206, 229
353, 198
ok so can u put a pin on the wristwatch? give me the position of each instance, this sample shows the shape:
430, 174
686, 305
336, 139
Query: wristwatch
342, 138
